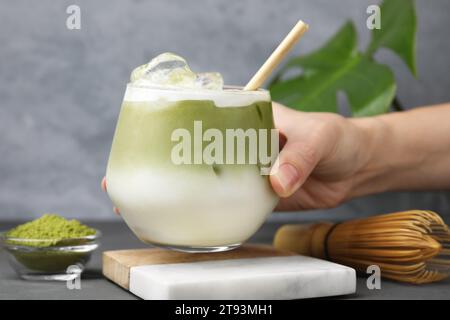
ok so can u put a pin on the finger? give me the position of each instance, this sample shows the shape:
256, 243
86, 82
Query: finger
103, 184
116, 211
293, 166
285, 118
300, 200
282, 140
289, 204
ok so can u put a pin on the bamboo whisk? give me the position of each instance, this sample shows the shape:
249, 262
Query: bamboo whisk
411, 246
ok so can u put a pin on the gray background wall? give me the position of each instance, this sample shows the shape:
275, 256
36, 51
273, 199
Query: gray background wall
60, 90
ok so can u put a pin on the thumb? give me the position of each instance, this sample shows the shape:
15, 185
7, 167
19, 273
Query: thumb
293, 166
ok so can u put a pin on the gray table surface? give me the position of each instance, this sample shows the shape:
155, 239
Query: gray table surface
117, 236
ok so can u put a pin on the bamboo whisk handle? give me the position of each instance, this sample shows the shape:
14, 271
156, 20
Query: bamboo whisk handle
306, 239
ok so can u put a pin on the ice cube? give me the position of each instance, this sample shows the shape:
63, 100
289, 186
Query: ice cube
167, 69
209, 80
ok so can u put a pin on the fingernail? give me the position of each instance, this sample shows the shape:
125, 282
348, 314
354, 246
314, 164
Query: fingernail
103, 184
288, 177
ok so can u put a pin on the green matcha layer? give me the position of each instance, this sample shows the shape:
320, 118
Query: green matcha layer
143, 136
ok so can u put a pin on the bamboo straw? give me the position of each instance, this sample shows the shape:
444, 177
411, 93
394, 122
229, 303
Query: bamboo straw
275, 58
411, 246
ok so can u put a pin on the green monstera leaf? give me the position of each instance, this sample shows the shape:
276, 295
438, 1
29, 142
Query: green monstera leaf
339, 67
398, 31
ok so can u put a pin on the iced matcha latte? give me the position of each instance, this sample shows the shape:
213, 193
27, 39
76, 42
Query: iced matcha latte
189, 160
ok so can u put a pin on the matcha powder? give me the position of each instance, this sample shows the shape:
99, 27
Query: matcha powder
51, 228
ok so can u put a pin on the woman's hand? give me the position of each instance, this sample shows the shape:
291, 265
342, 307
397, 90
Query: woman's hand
319, 160
328, 159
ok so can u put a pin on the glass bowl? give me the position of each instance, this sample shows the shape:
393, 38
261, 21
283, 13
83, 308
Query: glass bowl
41, 259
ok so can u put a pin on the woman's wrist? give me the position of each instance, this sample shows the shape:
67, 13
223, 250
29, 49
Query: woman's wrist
407, 150
376, 144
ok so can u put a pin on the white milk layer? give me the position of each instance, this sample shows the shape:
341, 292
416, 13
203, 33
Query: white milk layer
192, 209
229, 97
